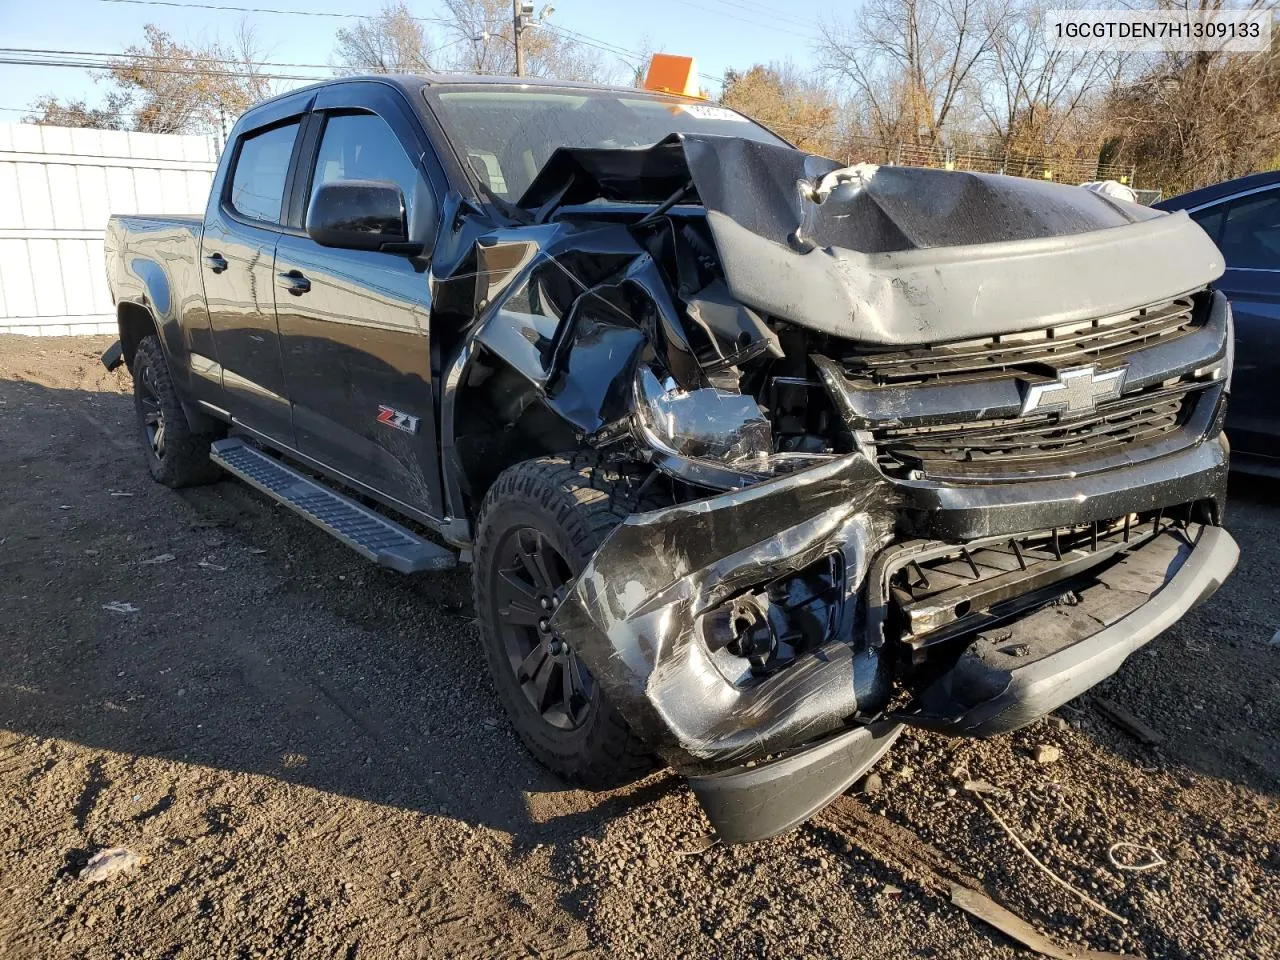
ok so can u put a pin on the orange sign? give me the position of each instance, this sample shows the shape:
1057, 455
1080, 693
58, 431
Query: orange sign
671, 74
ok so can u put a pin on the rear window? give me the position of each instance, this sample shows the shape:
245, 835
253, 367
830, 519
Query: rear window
507, 135
257, 183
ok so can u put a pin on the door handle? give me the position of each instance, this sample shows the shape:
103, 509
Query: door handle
294, 282
216, 262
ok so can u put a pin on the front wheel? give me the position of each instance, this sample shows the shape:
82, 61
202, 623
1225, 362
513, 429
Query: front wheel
177, 456
540, 523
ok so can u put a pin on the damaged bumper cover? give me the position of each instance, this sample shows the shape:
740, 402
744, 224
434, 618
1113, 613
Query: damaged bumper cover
766, 749
1015, 674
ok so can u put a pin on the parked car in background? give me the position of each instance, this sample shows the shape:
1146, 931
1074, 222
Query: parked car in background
1243, 218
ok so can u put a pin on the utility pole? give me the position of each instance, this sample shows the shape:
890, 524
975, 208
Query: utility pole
517, 14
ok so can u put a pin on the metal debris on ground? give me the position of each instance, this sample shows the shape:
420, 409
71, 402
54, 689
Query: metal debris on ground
930, 871
701, 845
108, 863
1011, 925
162, 558
212, 566
1047, 872
120, 606
1153, 859
1127, 722
981, 786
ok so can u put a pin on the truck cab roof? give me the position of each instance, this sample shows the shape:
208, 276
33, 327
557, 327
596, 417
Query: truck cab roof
412, 83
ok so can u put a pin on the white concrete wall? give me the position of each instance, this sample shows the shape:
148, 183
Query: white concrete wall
58, 185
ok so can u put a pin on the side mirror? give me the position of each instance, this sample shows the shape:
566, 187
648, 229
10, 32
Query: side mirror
360, 215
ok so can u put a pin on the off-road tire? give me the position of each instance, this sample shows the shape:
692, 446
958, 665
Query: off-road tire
575, 506
185, 458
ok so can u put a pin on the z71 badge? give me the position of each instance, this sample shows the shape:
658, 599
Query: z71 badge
395, 418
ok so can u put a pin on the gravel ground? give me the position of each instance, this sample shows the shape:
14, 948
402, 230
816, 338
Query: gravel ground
307, 755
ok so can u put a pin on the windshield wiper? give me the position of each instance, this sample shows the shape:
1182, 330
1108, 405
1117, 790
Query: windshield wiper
665, 205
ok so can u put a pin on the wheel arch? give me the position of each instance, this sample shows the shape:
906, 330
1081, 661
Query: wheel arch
484, 397
136, 321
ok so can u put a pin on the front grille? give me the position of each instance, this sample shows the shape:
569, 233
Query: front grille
1135, 419
1104, 341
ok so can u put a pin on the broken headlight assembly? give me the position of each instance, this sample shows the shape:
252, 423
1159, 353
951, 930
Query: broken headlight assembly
708, 434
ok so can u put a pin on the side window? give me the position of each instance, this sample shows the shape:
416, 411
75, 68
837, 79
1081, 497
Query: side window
1251, 232
1210, 220
361, 146
257, 183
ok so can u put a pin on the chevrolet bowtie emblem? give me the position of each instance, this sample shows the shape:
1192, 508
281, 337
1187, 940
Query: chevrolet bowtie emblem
1077, 390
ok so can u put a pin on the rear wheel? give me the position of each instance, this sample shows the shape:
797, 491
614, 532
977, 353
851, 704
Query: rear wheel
177, 456
539, 525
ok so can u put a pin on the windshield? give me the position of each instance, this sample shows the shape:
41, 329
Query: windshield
507, 134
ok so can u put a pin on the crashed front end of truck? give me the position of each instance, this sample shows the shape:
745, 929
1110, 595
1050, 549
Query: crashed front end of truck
927, 448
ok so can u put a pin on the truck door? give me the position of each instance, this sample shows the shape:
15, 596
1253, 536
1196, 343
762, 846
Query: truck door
237, 251
354, 325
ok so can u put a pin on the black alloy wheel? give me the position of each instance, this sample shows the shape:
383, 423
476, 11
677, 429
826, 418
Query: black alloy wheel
177, 455
153, 425
531, 584
539, 525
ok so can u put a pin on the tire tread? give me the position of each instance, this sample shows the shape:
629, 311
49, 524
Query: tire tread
587, 501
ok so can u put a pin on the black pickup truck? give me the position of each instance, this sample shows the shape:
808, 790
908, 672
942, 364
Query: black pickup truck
757, 458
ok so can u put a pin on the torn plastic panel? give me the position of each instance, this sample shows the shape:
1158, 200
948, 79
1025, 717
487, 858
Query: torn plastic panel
640, 614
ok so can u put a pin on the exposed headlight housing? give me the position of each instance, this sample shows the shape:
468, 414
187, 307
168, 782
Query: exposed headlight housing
709, 424
710, 436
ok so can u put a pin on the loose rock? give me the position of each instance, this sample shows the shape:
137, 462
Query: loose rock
1048, 753
108, 863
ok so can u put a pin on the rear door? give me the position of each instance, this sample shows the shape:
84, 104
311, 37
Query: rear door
354, 327
241, 228
1247, 231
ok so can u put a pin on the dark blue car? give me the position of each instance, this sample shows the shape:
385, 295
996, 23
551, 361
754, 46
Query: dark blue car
1243, 218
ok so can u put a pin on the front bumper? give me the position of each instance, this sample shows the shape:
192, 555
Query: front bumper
635, 617
1039, 662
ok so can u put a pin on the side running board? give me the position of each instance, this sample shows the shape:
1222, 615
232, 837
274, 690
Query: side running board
365, 531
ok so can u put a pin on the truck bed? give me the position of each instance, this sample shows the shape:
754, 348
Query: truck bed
154, 252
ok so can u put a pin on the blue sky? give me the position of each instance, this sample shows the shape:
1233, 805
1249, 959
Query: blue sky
719, 33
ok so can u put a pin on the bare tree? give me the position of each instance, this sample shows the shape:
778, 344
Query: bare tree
799, 108
112, 115
910, 62
162, 86
1192, 119
394, 41
482, 40
1032, 93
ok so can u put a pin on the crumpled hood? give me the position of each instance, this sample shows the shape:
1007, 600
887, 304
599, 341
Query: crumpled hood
899, 255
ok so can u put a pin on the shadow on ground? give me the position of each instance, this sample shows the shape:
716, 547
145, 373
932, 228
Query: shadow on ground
263, 646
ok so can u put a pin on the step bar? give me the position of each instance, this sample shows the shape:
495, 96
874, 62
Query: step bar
365, 531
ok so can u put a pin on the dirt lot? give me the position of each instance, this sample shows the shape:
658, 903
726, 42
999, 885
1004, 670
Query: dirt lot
308, 755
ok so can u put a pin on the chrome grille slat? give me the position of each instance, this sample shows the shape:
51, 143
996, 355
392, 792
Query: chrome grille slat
1108, 339
985, 375
1133, 420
